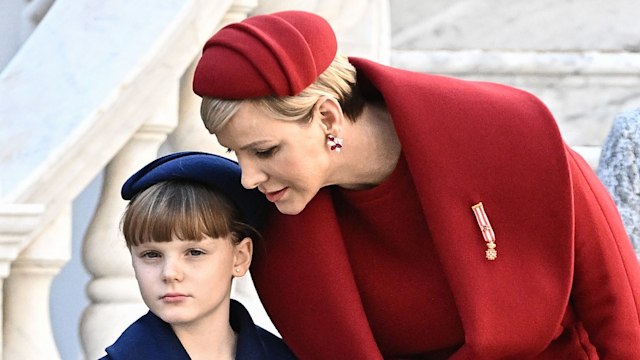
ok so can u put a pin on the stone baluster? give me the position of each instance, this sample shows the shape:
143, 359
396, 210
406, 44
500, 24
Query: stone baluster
27, 323
25, 299
190, 134
113, 291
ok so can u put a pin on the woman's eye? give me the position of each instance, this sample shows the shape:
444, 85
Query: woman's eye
265, 153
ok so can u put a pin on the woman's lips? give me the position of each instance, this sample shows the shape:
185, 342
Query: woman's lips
276, 195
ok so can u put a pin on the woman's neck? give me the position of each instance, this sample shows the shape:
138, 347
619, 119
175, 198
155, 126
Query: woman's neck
371, 151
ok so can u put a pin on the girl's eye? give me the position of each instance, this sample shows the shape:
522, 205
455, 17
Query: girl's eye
150, 254
195, 252
266, 153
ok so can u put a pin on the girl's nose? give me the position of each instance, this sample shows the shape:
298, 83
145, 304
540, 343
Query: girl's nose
171, 271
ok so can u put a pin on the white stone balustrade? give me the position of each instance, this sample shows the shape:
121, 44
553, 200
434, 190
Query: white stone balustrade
17, 225
27, 323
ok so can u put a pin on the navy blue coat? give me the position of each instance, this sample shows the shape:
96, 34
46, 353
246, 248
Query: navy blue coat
150, 338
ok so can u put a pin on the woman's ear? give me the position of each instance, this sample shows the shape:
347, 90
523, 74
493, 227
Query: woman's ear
330, 113
243, 252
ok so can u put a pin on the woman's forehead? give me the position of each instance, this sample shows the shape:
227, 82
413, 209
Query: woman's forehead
250, 125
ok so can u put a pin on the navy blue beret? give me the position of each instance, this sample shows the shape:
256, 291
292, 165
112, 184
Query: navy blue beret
210, 170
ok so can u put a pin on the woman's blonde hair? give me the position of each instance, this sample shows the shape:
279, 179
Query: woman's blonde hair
338, 82
185, 210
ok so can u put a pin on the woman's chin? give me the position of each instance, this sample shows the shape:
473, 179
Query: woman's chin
288, 209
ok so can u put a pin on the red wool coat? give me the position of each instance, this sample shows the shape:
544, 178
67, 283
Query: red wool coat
563, 253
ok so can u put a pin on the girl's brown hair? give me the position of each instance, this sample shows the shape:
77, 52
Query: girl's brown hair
186, 210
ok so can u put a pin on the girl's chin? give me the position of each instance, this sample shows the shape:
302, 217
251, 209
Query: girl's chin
174, 315
175, 320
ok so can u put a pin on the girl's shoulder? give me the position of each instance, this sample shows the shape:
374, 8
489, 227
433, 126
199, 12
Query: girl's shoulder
147, 338
254, 342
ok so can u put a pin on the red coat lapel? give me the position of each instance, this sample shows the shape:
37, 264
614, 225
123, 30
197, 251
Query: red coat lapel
305, 281
469, 142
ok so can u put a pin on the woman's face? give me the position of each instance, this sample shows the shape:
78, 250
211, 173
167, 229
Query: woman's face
286, 160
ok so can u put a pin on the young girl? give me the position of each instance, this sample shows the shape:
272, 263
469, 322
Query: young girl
189, 228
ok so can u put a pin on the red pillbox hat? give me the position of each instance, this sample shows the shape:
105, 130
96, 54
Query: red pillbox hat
278, 54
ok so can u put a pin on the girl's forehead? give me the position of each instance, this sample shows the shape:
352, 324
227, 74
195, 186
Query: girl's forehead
175, 241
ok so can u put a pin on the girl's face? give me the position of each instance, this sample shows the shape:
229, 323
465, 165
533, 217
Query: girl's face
287, 161
186, 282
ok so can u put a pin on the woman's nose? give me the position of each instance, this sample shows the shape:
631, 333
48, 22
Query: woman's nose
252, 176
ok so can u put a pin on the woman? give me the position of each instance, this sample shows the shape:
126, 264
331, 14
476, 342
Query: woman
189, 236
451, 222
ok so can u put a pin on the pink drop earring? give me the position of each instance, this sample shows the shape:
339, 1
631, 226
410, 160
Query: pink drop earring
334, 142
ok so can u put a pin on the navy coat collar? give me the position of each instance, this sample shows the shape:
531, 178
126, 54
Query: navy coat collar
150, 338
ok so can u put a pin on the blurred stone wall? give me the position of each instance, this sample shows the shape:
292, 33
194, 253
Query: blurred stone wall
582, 58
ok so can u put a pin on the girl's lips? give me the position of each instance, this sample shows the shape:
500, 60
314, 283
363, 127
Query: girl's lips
173, 298
276, 195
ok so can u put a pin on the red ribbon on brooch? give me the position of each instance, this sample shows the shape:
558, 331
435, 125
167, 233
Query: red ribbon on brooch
487, 231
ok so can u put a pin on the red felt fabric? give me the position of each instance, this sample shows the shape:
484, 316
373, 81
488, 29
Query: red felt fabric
556, 229
277, 54
393, 259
